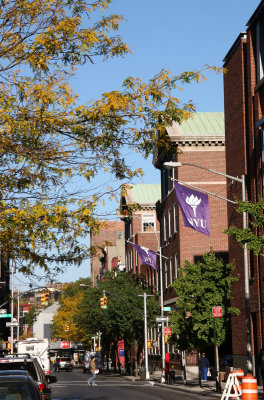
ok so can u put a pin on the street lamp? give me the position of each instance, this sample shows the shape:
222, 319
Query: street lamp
161, 306
172, 164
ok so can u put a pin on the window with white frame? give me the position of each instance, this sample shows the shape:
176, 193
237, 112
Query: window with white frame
176, 265
171, 278
169, 221
166, 274
120, 235
164, 227
148, 222
174, 217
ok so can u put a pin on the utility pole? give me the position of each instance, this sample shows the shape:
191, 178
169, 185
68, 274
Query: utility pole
145, 295
18, 311
162, 324
12, 306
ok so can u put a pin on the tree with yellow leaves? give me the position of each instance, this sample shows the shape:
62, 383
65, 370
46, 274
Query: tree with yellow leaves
50, 145
64, 321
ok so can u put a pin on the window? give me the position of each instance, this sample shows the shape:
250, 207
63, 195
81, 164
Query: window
260, 50
148, 222
176, 266
174, 218
166, 274
171, 279
169, 221
120, 235
164, 227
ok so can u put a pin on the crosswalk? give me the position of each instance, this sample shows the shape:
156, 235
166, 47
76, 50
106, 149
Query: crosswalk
114, 382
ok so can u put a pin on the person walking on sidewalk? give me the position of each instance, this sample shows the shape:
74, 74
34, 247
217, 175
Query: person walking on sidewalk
91, 381
204, 365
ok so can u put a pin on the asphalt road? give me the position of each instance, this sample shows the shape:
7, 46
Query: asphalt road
73, 386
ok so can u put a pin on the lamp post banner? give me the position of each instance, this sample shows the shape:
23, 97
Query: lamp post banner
194, 206
147, 256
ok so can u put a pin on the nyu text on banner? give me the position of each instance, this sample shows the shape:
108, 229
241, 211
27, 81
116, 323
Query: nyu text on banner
194, 206
147, 256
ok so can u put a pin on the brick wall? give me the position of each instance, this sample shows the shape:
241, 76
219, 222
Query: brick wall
107, 236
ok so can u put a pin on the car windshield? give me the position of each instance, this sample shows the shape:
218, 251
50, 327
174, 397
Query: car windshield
19, 366
65, 359
14, 391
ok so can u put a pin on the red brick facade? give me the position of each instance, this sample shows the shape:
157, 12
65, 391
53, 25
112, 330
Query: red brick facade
244, 105
108, 244
185, 243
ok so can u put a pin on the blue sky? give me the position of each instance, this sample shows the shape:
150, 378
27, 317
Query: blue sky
171, 34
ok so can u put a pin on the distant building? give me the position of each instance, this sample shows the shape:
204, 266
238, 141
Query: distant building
108, 249
141, 227
41, 327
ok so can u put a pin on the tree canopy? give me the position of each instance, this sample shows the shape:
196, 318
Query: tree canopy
51, 147
199, 288
64, 321
124, 316
252, 236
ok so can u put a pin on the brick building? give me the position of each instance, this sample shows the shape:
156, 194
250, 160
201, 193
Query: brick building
109, 249
244, 126
201, 142
142, 228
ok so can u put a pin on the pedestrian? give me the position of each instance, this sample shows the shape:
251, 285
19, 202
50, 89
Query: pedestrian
261, 366
91, 381
204, 365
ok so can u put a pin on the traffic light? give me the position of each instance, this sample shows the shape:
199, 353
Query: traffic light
67, 328
44, 299
103, 302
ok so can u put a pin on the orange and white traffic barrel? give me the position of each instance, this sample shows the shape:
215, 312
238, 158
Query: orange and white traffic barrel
249, 388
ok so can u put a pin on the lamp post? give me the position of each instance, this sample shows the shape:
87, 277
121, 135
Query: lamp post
172, 164
161, 305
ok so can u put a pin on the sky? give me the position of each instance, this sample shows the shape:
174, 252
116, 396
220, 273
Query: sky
172, 34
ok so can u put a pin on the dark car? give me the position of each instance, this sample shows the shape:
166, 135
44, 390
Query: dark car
34, 369
19, 387
63, 363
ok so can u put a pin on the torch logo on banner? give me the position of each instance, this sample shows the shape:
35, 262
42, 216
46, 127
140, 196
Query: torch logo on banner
194, 206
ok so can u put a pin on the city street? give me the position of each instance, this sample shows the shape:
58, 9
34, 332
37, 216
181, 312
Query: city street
73, 385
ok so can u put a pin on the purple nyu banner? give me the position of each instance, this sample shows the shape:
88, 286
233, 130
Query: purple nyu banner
194, 207
147, 256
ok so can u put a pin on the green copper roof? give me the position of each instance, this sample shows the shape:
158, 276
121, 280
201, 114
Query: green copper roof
146, 193
204, 123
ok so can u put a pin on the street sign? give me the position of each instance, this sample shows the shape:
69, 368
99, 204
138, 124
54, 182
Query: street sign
169, 308
217, 312
167, 331
5, 315
3, 311
9, 324
162, 319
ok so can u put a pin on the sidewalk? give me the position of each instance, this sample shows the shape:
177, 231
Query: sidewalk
207, 389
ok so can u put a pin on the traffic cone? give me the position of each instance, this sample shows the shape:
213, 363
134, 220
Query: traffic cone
249, 388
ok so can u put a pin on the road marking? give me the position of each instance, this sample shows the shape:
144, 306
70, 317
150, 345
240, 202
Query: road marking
68, 384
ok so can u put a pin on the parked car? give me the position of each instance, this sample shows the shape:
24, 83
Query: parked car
17, 387
34, 369
63, 363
